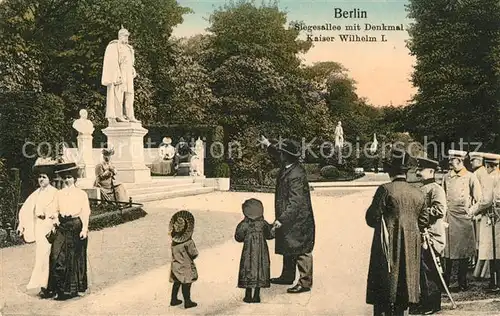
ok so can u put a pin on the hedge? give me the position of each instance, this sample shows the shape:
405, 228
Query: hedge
97, 222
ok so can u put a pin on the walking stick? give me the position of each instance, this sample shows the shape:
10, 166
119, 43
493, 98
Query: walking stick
439, 269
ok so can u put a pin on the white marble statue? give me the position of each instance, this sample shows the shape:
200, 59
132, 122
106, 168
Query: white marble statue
118, 75
374, 145
339, 135
83, 125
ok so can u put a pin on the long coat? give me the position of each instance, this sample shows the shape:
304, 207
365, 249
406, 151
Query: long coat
293, 209
403, 209
183, 269
435, 201
463, 195
255, 266
488, 186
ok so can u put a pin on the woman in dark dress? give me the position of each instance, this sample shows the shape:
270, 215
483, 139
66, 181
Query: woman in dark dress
68, 257
254, 272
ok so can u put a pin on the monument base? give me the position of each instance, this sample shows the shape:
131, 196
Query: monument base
126, 174
126, 139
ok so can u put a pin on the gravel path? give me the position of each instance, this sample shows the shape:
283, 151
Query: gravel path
115, 254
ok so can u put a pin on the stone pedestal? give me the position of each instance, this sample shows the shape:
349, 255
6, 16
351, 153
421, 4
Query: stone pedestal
86, 160
127, 141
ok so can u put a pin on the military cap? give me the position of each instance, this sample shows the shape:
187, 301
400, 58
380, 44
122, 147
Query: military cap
491, 158
476, 155
425, 163
452, 153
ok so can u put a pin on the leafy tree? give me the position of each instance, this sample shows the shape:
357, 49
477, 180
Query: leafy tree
242, 28
68, 40
456, 73
191, 98
32, 125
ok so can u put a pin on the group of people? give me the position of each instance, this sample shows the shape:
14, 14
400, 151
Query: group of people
58, 222
293, 231
417, 230
169, 158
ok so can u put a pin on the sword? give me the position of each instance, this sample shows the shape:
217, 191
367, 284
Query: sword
439, 268
493, 219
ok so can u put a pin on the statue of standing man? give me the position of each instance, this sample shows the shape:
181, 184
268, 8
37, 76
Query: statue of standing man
339, 136
118, 75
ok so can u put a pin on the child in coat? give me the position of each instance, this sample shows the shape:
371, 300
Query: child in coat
253, 231
183, 270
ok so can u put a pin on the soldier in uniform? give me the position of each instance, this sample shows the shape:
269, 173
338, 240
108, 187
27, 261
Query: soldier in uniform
463, 192
489, 187
395, 214
476, 162
435, 210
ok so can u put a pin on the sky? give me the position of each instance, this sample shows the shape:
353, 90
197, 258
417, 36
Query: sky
382, 70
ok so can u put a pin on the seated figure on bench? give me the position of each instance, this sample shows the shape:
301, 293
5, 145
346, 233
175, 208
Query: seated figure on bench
164, 163
105, 172
183, 158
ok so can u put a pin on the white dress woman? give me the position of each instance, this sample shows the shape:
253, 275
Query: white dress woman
164, 163
35, 223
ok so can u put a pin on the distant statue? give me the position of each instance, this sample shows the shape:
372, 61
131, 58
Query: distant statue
374, 145
118, 75
339, 136
83, 125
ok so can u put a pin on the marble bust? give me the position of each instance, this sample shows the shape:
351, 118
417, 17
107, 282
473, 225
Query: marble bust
83, 125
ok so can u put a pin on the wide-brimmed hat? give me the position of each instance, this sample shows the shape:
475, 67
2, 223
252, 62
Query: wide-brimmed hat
167, 140
70, 168
289, 146
108, 151
181, 226
398, 160
253, 208
45, 166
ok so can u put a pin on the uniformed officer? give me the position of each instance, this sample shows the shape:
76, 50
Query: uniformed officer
491, 185
463, 192
476, 161
492, 164
435, 209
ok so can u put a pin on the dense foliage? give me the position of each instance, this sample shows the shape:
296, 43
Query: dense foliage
456, 45
245, 76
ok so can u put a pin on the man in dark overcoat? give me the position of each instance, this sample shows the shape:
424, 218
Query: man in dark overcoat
294, 224
397, 215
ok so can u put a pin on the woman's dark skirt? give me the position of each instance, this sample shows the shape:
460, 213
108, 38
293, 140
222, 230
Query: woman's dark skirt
68, 259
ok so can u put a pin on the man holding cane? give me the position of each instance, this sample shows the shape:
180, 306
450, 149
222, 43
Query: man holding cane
294, 224
435, 210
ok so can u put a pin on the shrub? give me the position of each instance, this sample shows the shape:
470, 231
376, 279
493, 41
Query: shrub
312, 168
222, 171
329, 172
273, 173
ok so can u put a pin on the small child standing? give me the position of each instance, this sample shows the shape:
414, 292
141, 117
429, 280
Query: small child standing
253, 231
183, 270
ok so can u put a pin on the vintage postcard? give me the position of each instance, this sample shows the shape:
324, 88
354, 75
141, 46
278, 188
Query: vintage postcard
236, 157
